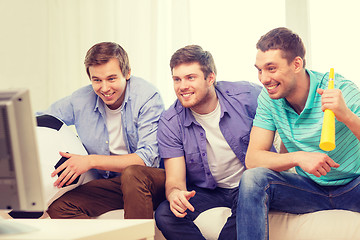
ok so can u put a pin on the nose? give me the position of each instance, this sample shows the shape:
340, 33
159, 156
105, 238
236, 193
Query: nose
264, 78
184, 84
105, 86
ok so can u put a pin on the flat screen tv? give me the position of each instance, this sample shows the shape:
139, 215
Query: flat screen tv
20, 176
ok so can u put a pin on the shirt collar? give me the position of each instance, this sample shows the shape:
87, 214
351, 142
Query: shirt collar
189, 117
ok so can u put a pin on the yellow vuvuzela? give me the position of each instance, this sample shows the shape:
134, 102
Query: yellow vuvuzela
327, 141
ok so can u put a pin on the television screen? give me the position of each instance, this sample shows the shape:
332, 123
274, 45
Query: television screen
20, 176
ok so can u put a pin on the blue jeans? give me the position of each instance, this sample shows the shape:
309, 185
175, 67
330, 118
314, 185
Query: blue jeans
173, 227
261, 190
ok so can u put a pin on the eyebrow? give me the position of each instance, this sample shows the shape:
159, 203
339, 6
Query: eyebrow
265, 65
187, 75
112, 75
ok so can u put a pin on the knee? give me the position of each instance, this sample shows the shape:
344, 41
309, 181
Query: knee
143, 177
56, 209
133, 181
132, 173
254, 178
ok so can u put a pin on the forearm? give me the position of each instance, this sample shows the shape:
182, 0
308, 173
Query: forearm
115, 163
352, 121
275, 161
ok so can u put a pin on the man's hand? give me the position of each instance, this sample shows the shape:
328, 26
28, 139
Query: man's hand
179, 202
73, 167
333, 100
318, 164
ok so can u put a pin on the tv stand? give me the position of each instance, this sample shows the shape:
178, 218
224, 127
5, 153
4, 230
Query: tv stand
10, 227
71, 229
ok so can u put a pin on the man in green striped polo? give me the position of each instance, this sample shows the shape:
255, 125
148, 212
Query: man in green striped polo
292, 102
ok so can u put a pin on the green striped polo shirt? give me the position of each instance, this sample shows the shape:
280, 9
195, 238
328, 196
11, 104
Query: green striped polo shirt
302, 132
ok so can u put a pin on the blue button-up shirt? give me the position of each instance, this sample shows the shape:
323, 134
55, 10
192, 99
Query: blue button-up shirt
179, 134
140, 115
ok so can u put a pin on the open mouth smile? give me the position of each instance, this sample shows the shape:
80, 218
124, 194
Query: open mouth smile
107, 96
186, 96
272, 87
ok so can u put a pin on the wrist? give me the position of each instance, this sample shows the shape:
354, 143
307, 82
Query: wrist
349, 118
172, 191
293, 159
92, 161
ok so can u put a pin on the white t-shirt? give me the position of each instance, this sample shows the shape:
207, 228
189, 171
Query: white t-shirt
225, 167
117, 144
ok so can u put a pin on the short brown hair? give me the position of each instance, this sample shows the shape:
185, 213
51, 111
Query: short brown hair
101, 53
284, 39
194, 53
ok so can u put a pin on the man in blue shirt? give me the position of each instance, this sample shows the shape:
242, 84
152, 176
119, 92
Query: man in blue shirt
116, 118
203, 138
292, 102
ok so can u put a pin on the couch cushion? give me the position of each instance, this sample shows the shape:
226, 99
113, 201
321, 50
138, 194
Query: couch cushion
322, 225
330, 224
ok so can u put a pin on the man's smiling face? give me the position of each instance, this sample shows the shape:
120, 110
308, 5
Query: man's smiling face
191, 87
275, 73
109, 83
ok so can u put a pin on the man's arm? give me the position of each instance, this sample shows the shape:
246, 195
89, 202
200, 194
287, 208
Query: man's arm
175, 186
259, 155
78, 164
145, 154
333, 99
352, 121
147, 126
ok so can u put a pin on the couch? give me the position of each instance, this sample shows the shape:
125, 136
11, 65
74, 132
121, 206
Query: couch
322, 225
333, 224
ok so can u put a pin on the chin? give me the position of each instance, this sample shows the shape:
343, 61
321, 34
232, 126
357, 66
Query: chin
187, 104
274, 96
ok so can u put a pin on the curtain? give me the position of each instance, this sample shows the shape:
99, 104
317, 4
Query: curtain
147, 29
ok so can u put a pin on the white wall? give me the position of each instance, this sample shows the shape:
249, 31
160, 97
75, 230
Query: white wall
335, 36
43, 42
23, 47
230, 29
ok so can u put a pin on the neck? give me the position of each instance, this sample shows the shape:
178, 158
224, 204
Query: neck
297, 99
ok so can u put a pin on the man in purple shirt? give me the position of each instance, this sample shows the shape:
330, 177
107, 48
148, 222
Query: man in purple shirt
203, 138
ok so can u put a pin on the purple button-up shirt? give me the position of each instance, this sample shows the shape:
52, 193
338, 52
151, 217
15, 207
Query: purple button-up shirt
179, 134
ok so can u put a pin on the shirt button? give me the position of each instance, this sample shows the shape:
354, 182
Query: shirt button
203, 154
191, 160
208, 173
201, 134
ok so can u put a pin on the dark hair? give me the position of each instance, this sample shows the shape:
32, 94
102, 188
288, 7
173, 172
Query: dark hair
101, 53
284, 39
194, 53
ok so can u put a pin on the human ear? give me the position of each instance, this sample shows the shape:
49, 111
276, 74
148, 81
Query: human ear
298, 64
211, 78
127, 77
